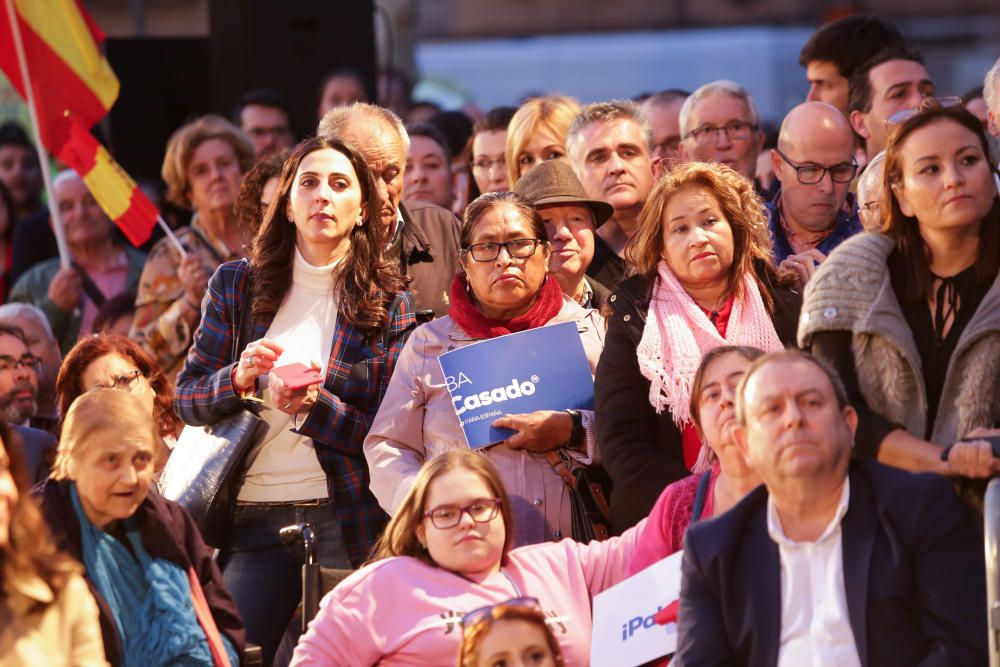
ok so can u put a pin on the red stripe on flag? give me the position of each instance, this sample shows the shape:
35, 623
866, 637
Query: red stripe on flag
79, 150
138, 221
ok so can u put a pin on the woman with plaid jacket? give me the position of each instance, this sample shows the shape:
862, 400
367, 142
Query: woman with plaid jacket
317, 291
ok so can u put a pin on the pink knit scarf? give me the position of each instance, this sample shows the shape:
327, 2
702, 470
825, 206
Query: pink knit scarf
677, 333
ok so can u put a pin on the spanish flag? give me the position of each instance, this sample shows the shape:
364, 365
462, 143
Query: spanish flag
113, 189
73, 87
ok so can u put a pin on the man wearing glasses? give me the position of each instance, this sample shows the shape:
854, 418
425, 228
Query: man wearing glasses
18, 377
720, 123
814, 212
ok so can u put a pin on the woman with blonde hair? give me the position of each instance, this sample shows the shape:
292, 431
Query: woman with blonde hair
203, 166
160, 594
537, 132
447, 551
47, 615
702, 256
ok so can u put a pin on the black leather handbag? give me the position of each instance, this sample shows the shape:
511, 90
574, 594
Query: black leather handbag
588, 492
202, 470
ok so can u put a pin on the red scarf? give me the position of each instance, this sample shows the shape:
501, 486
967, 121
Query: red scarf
468, 316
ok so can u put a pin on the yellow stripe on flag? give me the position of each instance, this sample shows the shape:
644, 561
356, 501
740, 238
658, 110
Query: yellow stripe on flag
59, 24
111, 186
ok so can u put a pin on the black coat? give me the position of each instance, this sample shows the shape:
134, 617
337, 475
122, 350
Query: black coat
640, 449
168, 532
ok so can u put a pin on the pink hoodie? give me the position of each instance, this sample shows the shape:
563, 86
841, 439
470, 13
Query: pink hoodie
400, 611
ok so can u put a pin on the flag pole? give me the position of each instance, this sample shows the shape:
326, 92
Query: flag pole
43, 158
173, 237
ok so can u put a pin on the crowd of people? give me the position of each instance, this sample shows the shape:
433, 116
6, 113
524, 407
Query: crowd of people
795, 353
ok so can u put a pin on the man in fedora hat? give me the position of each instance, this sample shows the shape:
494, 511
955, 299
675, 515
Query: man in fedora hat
571, 219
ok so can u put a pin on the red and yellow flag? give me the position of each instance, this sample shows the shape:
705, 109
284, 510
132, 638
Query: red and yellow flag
113, 189
73, 87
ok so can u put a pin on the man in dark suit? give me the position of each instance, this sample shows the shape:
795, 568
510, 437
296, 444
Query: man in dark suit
39, 451
830, 562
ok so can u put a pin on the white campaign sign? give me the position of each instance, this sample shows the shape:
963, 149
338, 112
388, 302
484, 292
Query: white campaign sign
625, 633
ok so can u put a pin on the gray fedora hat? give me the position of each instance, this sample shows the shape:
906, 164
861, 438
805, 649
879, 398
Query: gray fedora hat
553, 182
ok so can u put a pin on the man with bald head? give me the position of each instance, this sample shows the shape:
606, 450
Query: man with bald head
814, 211
424, 237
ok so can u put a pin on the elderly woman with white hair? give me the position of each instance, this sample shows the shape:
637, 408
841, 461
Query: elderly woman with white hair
161, 597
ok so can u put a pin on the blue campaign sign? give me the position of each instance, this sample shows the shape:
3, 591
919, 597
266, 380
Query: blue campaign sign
539, 369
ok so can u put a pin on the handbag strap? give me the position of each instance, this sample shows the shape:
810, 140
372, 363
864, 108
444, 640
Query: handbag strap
699, 496
239, 317
559, 466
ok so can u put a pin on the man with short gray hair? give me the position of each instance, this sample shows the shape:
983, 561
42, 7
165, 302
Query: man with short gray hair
663, 109
609, 148
991, 95
42, 344
424, 237
719, 122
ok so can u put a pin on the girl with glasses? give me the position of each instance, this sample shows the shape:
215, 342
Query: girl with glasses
407, 605
503, 287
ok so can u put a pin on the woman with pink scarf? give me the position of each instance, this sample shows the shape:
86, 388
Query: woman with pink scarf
704, 278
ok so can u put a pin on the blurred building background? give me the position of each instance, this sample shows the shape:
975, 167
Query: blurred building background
490, 52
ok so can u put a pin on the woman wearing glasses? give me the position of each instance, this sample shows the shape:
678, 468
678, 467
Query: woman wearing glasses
911, 317
117, 362
447, 552
704, 279
503, 288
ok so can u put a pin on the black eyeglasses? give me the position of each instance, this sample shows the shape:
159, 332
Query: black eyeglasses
737, 130
482, 510
124, 381
478, 615
28, 361
810, 174
518, 249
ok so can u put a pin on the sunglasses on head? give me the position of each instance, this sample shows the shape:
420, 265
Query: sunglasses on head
900, 117
478, 615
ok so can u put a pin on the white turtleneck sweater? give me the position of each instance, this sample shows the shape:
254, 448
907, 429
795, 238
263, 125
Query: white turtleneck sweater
285, 467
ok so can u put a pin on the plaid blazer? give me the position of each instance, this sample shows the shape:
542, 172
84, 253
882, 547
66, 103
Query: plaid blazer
356, 379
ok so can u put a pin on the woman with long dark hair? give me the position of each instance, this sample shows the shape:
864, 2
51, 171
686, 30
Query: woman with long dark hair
910, 317
317, 290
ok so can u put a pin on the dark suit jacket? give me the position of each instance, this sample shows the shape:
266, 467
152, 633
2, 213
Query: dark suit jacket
914, 578
39, 449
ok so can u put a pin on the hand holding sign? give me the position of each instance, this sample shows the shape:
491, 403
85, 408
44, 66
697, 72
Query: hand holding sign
537, 432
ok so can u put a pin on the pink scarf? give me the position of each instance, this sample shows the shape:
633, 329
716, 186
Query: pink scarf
677, 333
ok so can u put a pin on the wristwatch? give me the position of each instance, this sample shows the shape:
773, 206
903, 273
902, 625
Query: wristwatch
577, 435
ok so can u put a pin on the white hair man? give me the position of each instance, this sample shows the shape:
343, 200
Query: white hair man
991, 95
719, 122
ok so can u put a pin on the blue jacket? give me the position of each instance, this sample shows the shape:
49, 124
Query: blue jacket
356, 379
914, 577
848, 224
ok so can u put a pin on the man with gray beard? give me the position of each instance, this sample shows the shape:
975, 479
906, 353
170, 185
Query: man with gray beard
18, 377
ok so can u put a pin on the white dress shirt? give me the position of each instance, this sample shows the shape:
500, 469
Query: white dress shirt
815, 626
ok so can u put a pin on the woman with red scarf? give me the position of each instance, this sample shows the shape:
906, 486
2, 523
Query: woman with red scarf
503, 287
